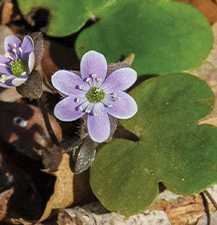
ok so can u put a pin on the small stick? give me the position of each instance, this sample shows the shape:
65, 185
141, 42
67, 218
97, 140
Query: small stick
47, 122
210, 198
206, 207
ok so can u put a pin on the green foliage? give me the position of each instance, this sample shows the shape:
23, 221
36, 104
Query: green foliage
165, 36
66, 16
173, 148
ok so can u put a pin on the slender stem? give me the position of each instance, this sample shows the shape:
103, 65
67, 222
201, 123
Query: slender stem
211, 198
206, 207
47, 122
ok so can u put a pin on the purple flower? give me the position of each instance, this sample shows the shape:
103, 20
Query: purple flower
18, 61
95, 95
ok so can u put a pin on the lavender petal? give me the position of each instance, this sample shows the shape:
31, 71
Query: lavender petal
94, 63
4, 68
10, 41
69, 83
31, 62
123, 107
67, 109
4, 59
27, 47
8, 82
119, 80
98, 125
18, 81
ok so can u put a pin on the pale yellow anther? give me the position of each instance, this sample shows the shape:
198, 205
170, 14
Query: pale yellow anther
81, 108
87, 110
14, 45
98, 79
7, 55
94, 75
77, 99
23, 73
3, 78
88, 79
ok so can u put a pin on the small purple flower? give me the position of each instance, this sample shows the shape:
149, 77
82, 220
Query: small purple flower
95, 95
18, 61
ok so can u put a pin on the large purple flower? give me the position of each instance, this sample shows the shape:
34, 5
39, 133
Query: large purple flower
95, 95
18, 61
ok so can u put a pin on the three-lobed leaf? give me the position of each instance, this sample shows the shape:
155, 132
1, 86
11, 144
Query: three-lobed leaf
172, 149
165, 36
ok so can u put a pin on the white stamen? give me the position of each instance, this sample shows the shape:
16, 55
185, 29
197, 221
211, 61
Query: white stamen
95, 114
81, 87
14, 50
114, 95
7, 55
2, 64
23, 73
20, 49
14, 45
80, 108
98, 79
77, 99
94, 75
118, 98
109, 106
88, 79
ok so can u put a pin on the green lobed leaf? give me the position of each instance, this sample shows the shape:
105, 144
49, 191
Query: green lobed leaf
66, 16
165, 36
172, 149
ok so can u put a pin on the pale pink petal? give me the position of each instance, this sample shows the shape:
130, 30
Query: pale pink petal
98, 125
119, 80
69, 83
94, 63
68, 109
122, 108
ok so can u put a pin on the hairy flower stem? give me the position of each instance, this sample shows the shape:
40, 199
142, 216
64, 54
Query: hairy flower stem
47, 122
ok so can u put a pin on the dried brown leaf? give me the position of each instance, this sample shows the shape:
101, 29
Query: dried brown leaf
208, 7
7, 11
69, 188
4, 198
184, 210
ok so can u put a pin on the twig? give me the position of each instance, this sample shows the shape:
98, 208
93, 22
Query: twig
210, 198
206, 207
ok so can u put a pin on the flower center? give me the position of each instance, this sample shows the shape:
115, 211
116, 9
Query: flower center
95, 95
18, 68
